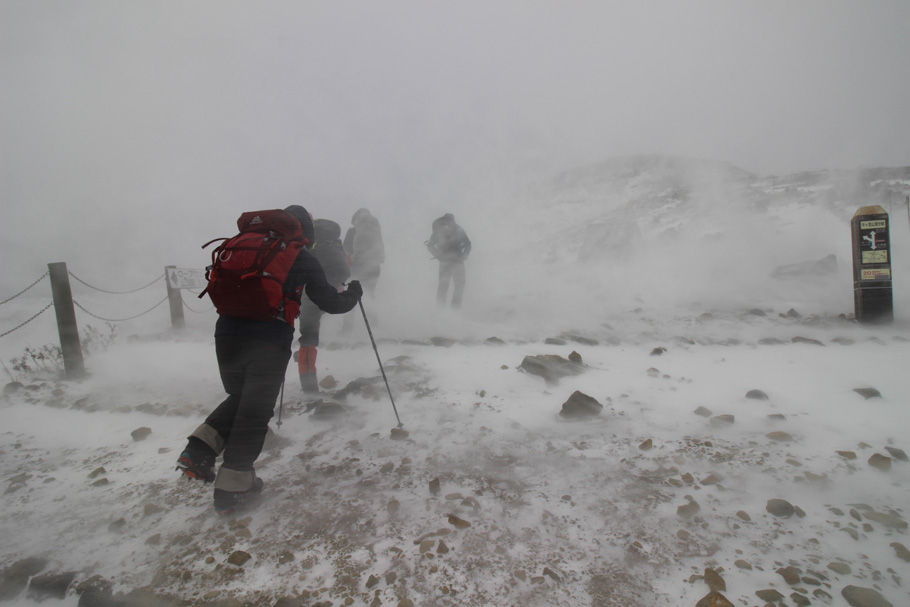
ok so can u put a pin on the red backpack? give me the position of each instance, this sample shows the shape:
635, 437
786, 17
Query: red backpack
248, 271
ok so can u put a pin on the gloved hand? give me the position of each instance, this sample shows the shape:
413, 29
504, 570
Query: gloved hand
355, 288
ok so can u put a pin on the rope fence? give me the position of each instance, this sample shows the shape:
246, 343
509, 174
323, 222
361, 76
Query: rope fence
175, 279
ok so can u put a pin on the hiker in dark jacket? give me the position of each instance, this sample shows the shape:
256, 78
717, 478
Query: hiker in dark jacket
451, 246
334, 261
363, 242
252, 359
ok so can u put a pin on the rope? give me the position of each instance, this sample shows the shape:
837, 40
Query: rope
22, 324
115, 292
78, 305
23, 291
191, 309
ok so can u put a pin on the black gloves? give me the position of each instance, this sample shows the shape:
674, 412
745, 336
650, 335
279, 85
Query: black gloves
355, 288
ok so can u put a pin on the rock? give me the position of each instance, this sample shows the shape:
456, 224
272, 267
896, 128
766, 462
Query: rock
713, 599
442, 548
398, 434
846, 454
393, 506
579, 339
714, 581
50, 586
12, 387
457, 522
800, 600
838, 567
703, 412
711, 479
689, 509
722, 420
888, 520
777, 417
328, 382
780, 508
494, 341
580, 405
434, 486
239, 558
743, 564
806, 340
864, 597
780, 436
868, 393
554, 341
426, 546
901, 551
769, 595
756, 395
882, 462
792, 313
743, 516
141, 433
442, 342
658, 351
327, 410
896, 453
551, 574
770, 341
575, 357
97, 472
790, 575
645, 445
14, 578
551, 367
372, 581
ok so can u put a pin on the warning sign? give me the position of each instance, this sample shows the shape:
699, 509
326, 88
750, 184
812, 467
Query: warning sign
875, 257
876, 274
186, 278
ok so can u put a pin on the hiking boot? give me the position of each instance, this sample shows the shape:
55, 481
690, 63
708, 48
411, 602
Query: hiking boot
228, 502
197, 461
308, 383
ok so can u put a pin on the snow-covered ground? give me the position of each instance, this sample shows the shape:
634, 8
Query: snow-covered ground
530, 508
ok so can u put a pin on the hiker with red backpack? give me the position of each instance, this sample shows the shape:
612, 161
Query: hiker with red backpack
256, 282
330, 253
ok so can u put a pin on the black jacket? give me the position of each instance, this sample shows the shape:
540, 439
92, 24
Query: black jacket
306, 276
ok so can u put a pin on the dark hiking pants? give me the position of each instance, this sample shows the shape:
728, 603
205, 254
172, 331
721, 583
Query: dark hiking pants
252, 371
450, 271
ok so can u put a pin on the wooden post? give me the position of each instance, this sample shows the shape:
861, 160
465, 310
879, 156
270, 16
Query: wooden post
174, 300
73, 365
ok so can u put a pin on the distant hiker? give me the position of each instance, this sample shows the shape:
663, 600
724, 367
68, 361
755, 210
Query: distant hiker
451, 246
256, 282
337, 266
363, 242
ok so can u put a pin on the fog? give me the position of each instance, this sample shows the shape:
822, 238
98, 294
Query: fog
134, 132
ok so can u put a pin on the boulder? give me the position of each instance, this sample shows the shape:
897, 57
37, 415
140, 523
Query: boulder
858, 596
580, 405
551, 367
50, 586
756, 395
780, 508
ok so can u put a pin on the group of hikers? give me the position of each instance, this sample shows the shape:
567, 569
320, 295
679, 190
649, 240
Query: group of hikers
282, 265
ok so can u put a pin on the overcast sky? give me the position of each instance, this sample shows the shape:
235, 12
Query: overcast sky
121, 117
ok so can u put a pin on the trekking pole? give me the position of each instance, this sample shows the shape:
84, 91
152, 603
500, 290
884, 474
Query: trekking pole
373, 341
280, 403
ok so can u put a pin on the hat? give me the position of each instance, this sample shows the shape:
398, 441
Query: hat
306, 221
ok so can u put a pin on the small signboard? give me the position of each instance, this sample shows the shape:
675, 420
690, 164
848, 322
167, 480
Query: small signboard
871, 265
186, 278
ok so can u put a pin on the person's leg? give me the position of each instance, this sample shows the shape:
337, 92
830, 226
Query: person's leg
458, 277
310, 316
216, 429
264, 371
445, 275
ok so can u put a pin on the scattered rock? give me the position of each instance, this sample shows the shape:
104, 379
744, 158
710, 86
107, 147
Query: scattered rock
714, 581
882, 462
790, 575
327, 410
658, 351
896, 453
780, 436
901, 551
393, 506
239, 558
713, 599
141, 433
703, 411
50, 586
888, 520
756, 395
864, 597
458, 523
580, 405
575, 357
97, 472
743, 564
689, 509
442, 342
841, 568
12, 387
554, 341
398, 434
645, 445
494, 341
712, 479
434, 486
769, 595
579, 339
780, 508
14, 578
551, 367
742, 515
777, 417
442, 548
868, 393
800, 600
722, 420
328, 382
551, 574
846, 454
806, 340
